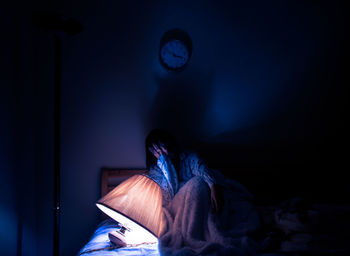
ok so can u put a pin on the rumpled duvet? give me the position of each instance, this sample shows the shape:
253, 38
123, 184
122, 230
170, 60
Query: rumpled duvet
192, 228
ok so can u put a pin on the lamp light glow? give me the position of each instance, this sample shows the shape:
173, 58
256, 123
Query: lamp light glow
137, 205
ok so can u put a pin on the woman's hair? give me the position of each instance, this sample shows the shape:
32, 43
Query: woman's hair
157, 136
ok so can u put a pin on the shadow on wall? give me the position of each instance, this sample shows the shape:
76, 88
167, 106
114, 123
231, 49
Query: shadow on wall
181, 104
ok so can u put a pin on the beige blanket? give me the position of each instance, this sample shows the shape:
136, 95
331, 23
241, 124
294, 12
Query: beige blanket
192, 228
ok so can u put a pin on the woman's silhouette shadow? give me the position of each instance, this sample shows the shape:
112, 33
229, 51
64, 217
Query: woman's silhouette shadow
181, 104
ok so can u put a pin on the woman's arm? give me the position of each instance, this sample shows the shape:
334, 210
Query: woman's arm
199, 168
166, 166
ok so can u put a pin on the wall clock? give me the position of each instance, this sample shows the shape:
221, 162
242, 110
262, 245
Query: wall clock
175, 50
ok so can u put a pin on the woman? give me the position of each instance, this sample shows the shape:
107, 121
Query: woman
204, 213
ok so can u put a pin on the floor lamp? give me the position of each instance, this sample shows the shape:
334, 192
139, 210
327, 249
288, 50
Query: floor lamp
60, 26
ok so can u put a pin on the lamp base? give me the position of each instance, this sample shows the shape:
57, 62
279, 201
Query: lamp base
117, 238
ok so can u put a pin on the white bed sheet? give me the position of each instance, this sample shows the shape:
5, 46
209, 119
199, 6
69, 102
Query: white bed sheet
100, 240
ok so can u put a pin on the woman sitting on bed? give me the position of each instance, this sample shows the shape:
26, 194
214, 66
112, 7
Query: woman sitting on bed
204, 213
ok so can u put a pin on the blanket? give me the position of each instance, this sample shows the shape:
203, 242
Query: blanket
192, 228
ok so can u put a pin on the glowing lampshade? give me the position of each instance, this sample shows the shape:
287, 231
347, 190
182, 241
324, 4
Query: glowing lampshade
137, 205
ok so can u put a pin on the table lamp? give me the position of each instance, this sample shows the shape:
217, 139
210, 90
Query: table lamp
136, 204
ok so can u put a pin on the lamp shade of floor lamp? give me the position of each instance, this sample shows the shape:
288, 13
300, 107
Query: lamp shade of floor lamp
137, 205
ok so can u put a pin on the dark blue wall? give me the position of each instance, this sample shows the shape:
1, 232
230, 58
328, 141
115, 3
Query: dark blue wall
25, 132
264, 88
8, 206
16, 145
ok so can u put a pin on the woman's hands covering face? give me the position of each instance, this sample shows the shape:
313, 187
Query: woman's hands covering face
158, 149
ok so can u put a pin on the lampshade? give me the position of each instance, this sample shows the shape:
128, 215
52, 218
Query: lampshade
136, 204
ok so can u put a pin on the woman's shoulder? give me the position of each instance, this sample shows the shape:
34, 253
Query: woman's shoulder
191, 160
189, 155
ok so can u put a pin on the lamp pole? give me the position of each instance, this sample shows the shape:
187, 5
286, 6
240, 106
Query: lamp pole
57, 143
61, 25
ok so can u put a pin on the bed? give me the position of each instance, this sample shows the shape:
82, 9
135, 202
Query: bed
293, 226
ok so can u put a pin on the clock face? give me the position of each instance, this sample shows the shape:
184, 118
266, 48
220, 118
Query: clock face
174, 54
175, 50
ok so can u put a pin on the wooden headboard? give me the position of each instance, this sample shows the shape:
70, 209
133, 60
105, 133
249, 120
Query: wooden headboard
112, 177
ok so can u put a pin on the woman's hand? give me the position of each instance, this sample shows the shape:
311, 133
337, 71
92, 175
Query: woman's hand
158, 149
216, 198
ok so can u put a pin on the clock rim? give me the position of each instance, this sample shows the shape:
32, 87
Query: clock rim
184, 38
162, 55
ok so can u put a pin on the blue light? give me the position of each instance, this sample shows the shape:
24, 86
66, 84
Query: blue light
8, 231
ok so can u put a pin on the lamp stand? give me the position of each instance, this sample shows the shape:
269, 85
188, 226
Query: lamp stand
52, 22
117, 237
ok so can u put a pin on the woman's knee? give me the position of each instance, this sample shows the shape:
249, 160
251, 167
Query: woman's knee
198, 183
196, 180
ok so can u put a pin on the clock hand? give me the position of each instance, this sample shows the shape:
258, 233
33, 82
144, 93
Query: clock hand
178, 56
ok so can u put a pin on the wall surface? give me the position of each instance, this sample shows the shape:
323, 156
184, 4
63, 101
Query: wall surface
25, 147
8, 215
17, 150
264, 88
